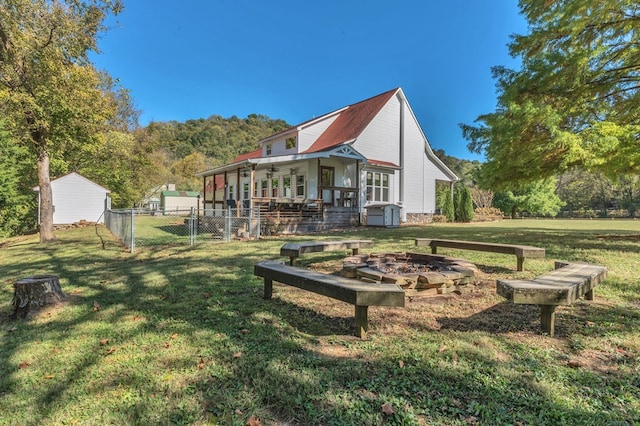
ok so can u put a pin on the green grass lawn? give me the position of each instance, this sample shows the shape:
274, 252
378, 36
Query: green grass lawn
181, 335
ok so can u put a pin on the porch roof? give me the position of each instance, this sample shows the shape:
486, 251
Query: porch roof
254, 159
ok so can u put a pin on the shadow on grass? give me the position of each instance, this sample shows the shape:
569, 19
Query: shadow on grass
257, 357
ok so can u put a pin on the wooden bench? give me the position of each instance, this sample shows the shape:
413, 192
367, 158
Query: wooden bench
295, 250
360, 294
563, 286
521, 252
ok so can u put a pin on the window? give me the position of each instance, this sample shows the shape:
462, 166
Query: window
245, 191
231, 194
286, 186
377, 186
263, 188
268, 149
275, 186
291, 142
300, 186
255, 188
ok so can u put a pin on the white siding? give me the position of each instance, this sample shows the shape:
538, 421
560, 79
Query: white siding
76, 198
279, 146
380, 139
420, 173
179, 204
308, 135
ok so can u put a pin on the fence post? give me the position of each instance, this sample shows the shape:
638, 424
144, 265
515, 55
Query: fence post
258, 227
227, 225
133, 228
192, 227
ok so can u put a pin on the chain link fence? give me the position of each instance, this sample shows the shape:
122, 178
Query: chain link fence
137, 228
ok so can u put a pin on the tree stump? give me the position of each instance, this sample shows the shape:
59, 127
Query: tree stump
34, 292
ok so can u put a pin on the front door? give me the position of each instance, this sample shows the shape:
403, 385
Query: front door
327, 179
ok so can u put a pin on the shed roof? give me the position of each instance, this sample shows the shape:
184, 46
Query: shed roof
180, 194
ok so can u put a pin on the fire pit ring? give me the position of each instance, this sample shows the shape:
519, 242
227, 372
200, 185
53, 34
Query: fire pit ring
417, 273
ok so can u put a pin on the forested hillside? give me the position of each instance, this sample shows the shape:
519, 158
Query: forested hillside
175, 151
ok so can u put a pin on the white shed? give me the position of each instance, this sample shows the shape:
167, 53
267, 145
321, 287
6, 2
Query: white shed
178, 202
76, 198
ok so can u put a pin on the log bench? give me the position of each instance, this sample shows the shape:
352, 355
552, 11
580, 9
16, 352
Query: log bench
360, 294
521, 252
563, 286
295, 250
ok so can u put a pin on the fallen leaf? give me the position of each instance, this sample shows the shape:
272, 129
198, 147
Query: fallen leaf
443, 348
244, 331
575, 364
238, 412
12, 329
137, 318
401, 364
110, 351
623, 352
456, 403
23, 364
207, 295
49, 376
387, 409
471, 420
201, 364
104, 341
253, 421
96, 306
167, 345
237, 355
173, 336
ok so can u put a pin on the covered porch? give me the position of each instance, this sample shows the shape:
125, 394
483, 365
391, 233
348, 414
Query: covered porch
316, 190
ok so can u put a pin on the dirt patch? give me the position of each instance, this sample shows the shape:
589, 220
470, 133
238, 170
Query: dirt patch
478, 310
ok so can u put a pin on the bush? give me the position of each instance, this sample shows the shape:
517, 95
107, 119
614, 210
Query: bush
488, 214
439, 218
463, 204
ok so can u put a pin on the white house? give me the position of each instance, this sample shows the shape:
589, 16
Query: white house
370, 153
76, 198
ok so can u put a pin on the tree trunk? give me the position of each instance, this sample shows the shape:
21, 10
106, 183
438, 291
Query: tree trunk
46, 199
34, 292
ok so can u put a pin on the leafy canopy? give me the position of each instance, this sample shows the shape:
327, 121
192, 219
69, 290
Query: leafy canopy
575, 102
53, 100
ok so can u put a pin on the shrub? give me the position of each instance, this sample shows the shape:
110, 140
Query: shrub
439, 218
488, 214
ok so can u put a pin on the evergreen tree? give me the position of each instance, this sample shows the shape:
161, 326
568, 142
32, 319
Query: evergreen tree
447, 206
464, 204
457, 201
575, 102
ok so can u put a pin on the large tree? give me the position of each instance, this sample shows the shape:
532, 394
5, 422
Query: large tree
52, 96
575, 102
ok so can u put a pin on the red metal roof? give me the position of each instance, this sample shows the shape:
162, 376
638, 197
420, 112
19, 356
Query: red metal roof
351, 122
219, 180
248, 155
381, 163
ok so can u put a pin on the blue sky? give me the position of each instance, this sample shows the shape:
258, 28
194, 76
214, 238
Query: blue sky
295, 60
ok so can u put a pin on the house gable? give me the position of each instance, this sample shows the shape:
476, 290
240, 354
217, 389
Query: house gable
351, 122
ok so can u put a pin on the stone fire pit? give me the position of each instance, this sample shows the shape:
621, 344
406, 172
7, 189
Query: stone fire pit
417, 273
